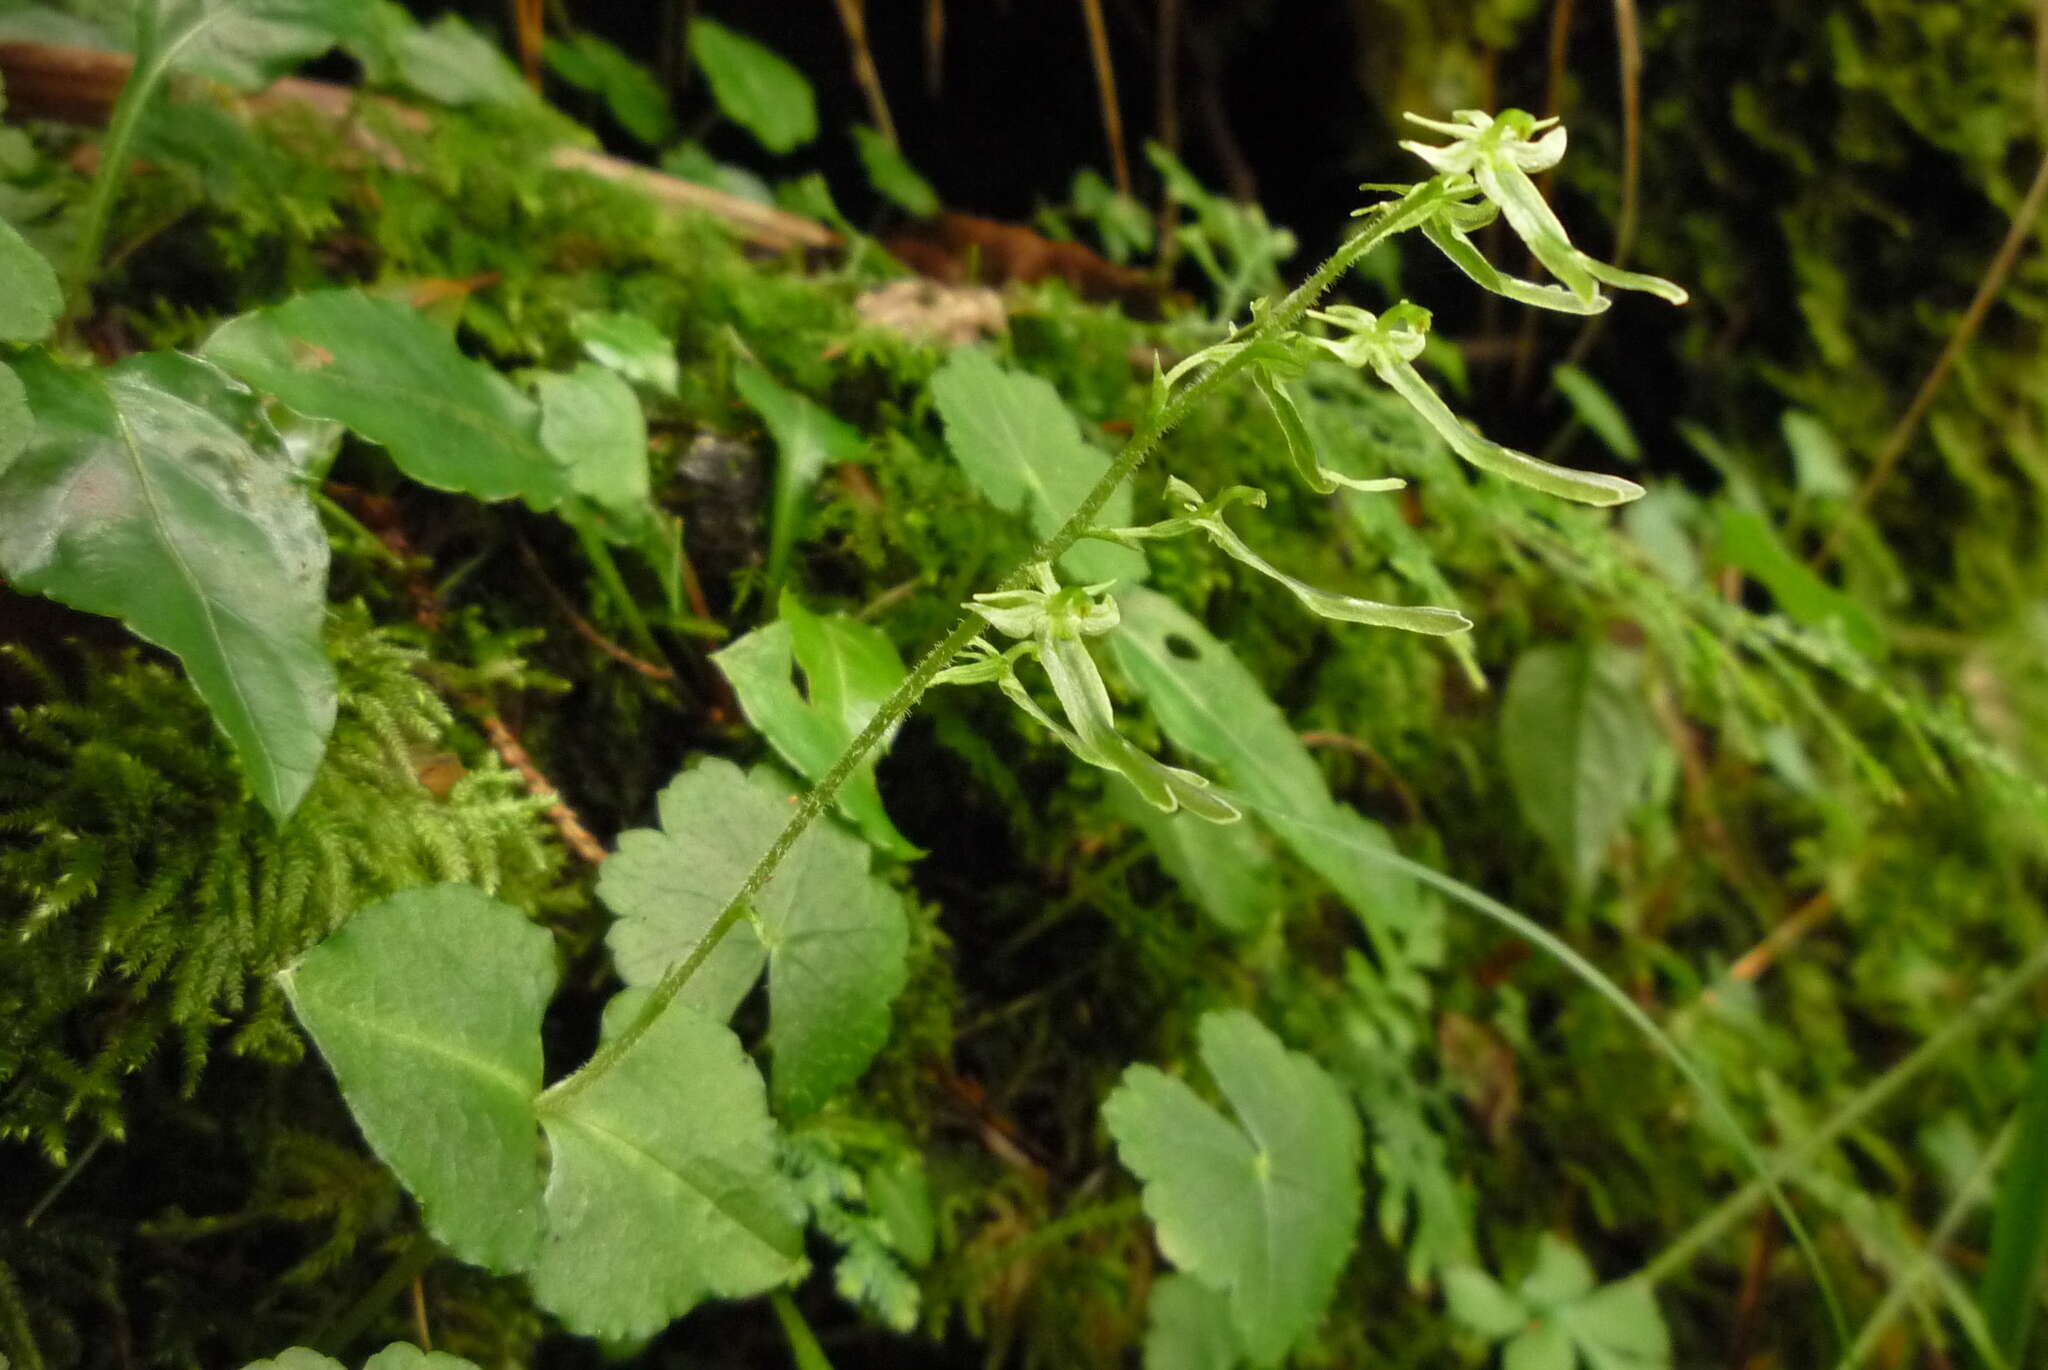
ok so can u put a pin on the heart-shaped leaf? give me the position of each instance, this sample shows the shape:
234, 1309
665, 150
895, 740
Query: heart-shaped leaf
427, 1007
154, 491
664, 1189
833, 936
1265, 1208
1189, 1328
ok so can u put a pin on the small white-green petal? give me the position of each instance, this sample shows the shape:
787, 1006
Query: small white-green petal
1583, 487
1539, 155
1465, 255
1536, 224
1425, 619
1636, 280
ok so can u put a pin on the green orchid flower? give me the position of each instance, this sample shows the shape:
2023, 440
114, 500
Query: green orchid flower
1207, 517
1054, 623
1499, 155
1389, 345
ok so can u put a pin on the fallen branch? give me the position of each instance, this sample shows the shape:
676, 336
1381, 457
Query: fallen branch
80, 86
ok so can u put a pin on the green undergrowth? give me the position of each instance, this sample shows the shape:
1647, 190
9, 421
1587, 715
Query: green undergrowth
1662, 740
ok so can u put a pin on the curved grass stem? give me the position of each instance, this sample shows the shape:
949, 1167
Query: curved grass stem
1874, 1096
1407, 213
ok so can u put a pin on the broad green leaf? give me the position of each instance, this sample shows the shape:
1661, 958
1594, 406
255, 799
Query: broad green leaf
1597, 410
833, 936
1227, 869
1264, 1208
1215, 709
1619, 1327
1558, 1318
849, 668
427, 1007
400, 1355
30, 298
296, 1358
155, 492
631, 346
1122, 222
892, 176
1560, 1275
1749, 543
398, 381
808, 438
1544, 1346
1817, 465
1189, 1328
403, 1355
901, 1197
592, 426
1023, 450
2019, 1223
1477, 1302
446, 61
692, 161
17, 423
1658, 524
1578, 740
591, 423
246, 44
663, 1189
628, 89
754, 88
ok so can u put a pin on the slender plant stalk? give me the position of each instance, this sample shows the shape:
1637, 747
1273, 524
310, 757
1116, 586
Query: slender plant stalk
1409, 212
1927, 1263
1735, 1207
601, 561
803, 1343
2019, 1226
1902, 434
1591, 975
153, 58
853, 17
1105, 91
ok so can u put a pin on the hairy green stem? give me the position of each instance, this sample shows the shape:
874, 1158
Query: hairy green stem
1409, 212
1987, 1006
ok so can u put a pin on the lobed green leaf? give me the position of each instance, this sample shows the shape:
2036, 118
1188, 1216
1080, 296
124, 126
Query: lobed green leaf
1264, 1209
663, 1190
832, 936
427, 1007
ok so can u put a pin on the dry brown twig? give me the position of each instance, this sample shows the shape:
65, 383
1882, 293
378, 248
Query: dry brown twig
1105, 92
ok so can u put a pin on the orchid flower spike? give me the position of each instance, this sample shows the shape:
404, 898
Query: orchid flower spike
1499, 155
